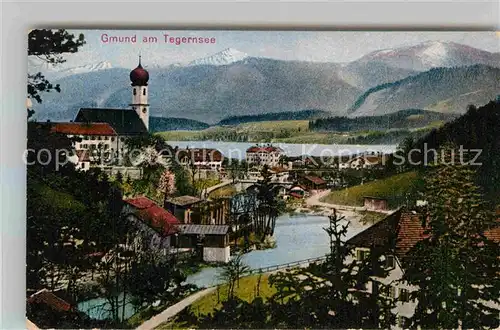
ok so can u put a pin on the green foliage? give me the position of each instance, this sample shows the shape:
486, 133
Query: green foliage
456, 266
396, 189
232, 272
49, 45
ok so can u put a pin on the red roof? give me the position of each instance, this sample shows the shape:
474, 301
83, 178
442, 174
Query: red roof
154, 215
263, 149
83, 128
404, 230
296, 195
46, 297
314, 179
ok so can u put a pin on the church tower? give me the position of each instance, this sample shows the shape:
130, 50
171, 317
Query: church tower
139, 78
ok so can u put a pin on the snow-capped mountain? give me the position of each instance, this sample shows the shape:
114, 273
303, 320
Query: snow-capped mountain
225, 57
432, 54
91, 67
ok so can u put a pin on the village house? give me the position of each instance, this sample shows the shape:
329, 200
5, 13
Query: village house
156, 227
202, 158
212, 241
297, 191
312, 182
362, 162
264, 155
183, 207
397, 234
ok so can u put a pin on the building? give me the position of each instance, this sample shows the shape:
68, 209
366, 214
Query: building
105, 131
155, 226
264, 155
362, 162
397, 233
201, 158
312, 182
211, 240
183, 207
375, 203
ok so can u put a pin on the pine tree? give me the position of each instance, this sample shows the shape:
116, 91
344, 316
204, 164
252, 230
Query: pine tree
456, 267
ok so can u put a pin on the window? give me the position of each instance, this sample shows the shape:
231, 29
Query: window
404, 295
144, 110
99, 138
391, 293
362, 254
135, 93
144, 91
106, 138
85, 146
389, 261
112, 139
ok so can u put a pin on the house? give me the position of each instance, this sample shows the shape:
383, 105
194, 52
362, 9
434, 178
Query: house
183, 207
312, 182
279, 174
51, 300
397, 233
206, 158
264, 155
375, 203
362, 162
211, 240
156, 227
297, 191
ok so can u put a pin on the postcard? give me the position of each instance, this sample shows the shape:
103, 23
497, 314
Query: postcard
262, 179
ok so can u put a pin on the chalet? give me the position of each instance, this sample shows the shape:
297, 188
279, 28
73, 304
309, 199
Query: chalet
201, 158
211, 240
362, 162
312, 182
264, 155
375, 203
183, 207
397, 234
155, 226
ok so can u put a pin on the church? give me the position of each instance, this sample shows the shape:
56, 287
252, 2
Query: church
104, 131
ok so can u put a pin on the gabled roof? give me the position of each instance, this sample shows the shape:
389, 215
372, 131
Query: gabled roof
203, 229
264, 149
153, 215
123, 121
401, 231
314, 179
48, 298
184, 200
83, 128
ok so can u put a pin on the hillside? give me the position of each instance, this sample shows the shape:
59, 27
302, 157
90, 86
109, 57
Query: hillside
456, 87
160, 124
394, 189
477, 131
407, 119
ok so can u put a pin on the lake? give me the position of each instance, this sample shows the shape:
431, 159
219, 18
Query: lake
298, 237
237, 149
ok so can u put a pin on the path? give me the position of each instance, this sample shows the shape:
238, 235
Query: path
314, 200
173, 310
208, 190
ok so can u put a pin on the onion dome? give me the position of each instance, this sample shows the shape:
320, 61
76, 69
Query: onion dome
139, 76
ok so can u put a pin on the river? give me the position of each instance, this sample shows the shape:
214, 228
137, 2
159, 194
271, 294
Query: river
237, 149
298, 237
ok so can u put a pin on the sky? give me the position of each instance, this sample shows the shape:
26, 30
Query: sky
320, 46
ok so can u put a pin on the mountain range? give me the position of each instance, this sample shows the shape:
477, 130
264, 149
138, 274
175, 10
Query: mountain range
439, 76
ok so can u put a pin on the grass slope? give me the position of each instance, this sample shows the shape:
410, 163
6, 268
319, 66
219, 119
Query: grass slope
393, 188
245, 290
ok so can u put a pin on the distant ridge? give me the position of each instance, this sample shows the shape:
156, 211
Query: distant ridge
160, 124
287, 115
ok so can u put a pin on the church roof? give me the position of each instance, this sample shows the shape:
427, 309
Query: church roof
83, 128
123, 121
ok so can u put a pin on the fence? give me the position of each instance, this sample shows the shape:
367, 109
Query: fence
287, 265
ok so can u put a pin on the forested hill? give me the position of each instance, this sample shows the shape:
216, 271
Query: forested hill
477, 129
275, 116
161, 124
407, 119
